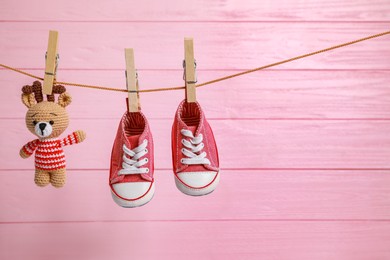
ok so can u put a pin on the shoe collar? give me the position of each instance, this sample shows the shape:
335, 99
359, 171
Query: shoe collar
142, 137
183, 125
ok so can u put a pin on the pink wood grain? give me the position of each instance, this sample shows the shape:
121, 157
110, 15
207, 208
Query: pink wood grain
314, 195
358, 240
217, 45
265, 95
189, 11
243, 144
304, 147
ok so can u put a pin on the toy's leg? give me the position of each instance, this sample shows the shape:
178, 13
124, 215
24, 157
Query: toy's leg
42, 178
58, 178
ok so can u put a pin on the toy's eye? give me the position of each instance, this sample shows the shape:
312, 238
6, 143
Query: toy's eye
51, 122
35, 122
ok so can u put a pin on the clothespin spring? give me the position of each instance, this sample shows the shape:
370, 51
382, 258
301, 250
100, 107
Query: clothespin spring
136, 82
55, 70
184, 73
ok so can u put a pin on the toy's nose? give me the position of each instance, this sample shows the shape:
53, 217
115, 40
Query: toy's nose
42, 126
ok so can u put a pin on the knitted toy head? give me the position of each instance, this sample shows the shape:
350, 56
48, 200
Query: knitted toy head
48, 120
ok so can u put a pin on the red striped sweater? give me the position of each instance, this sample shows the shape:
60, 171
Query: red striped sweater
49, 154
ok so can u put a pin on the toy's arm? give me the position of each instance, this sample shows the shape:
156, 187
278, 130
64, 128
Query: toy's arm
28, 149
74, 138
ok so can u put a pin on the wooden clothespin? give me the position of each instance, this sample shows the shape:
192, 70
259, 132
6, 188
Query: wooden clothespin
189, 66
51, 63
132, 82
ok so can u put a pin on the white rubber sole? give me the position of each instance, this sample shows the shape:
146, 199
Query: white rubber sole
197, 192
135, 203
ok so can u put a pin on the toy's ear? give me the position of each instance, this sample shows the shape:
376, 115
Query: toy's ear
64, 99
28, 100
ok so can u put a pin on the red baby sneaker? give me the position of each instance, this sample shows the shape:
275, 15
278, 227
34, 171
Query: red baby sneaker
194, 151
132, 163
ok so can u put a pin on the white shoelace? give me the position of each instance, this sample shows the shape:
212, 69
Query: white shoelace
133, 165
195, 145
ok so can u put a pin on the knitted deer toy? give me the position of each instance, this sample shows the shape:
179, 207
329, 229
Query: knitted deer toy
48, 120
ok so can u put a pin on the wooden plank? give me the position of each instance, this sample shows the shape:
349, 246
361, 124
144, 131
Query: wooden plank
187, 10
265, 95
242, 143
242, 194
219, 45
197, 240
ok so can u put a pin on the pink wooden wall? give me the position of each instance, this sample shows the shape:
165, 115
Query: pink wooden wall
304, 147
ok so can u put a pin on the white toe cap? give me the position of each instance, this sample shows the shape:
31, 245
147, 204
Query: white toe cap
197, 179
131, 190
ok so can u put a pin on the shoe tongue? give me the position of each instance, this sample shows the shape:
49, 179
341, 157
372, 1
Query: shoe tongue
192, 129
133, 140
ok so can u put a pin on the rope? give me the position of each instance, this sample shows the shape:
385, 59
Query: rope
21, 72
211, 81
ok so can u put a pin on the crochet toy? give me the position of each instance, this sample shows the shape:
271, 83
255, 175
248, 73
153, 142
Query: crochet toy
48, 120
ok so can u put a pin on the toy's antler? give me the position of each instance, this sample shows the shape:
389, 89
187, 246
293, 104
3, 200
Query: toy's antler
57, 89
35, 91
36, 88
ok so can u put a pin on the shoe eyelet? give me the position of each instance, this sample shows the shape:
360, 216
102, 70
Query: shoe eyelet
147, 169
146, 150
146, 160
182, 161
